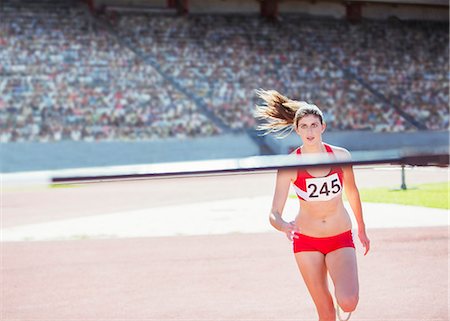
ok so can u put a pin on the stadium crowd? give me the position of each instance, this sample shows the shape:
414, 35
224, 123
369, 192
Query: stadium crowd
64, 77
412, 71
230, 56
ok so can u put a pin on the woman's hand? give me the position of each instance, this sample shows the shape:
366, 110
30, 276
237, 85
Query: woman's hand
290, 229
364, 239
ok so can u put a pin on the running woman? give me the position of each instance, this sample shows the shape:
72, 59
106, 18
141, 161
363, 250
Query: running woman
322, 231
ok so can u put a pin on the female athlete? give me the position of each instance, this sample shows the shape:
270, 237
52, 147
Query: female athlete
322, 231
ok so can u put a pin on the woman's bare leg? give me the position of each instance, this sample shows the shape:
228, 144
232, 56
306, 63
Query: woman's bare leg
343, 270
313, 269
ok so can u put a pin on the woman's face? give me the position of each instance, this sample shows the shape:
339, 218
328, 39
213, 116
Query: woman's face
310, 129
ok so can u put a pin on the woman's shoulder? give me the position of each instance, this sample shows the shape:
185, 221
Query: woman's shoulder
340, 152
290, 173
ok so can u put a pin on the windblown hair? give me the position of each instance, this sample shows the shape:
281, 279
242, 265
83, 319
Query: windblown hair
281, 114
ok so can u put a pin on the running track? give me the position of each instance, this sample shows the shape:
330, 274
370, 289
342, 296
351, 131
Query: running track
234, 276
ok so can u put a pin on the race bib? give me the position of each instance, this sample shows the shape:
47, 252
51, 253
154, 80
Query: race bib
321, 188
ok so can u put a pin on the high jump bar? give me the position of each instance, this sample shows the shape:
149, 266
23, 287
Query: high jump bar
432, 156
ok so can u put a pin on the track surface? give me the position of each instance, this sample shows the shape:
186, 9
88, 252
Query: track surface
36, 204
205, 277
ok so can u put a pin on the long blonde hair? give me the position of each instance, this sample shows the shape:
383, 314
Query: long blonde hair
281, 114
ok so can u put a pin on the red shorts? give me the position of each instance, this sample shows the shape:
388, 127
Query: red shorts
323, 244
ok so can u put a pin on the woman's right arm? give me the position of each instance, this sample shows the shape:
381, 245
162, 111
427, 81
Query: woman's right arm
279, 200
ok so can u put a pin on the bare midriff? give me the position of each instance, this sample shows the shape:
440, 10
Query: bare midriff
323, 218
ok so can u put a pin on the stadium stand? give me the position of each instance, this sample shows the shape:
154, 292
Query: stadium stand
68, 75
63, 78
333, 63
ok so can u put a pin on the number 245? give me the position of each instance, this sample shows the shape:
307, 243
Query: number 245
335, 188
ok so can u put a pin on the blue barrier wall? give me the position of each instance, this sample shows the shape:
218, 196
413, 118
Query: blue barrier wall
363, 140
18, 157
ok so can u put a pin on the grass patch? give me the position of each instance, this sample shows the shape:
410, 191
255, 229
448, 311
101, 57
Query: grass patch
427, 195
434, 195
56, 185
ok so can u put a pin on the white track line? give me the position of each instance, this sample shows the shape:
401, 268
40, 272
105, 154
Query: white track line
243, 215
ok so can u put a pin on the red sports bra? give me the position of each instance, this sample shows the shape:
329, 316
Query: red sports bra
310, 188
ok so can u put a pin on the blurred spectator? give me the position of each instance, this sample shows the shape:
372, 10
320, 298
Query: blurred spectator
63, 78
224, 58
61, 81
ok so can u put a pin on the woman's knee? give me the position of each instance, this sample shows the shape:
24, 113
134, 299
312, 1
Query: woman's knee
348, 303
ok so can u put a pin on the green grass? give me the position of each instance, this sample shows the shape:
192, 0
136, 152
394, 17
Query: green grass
57, 185
427, 195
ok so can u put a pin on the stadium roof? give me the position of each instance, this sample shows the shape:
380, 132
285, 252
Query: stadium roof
416, 2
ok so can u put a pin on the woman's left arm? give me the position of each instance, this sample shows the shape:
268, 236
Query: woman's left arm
351, 190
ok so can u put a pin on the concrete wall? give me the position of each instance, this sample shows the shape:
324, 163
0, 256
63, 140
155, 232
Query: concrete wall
151, 3
19, 157
404, 12
417, 2
370, 10
313, 8
433, 10
224, 6
362, 140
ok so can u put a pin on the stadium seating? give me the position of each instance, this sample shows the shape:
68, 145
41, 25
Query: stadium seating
67, 76
332, 63
63, 78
